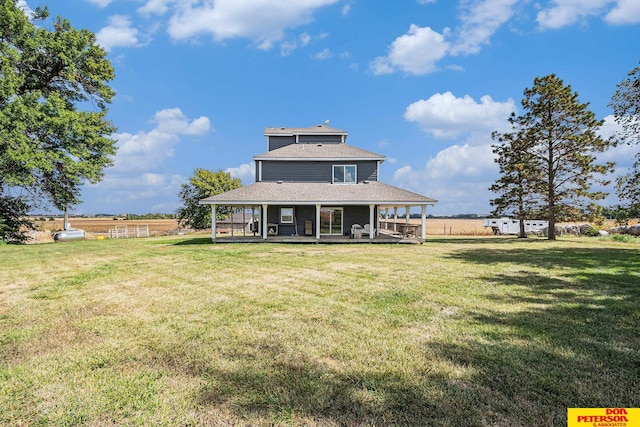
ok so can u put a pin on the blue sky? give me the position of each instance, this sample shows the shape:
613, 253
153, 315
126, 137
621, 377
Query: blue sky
423, 82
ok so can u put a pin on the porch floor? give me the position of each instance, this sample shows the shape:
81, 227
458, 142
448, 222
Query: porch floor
385, 236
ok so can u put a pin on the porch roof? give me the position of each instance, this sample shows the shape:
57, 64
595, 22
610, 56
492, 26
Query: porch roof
325, 193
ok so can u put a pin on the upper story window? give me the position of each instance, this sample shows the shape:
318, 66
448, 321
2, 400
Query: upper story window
345, 174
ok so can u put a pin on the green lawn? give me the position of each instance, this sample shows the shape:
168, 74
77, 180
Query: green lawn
455, 332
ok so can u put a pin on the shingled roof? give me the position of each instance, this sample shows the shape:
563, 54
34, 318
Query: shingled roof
311, 193
319, 152
311, 130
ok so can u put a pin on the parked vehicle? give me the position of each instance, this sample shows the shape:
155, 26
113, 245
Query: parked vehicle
512, 226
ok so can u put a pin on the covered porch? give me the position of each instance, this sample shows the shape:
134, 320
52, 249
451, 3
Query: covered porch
306, 223
320, 212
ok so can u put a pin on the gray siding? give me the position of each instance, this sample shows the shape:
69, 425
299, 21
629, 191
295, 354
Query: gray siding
320, 139
356, 215
276, 142
300, 213
313, 171
351, 215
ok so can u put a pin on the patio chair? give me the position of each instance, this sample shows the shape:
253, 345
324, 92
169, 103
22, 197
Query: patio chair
368, 230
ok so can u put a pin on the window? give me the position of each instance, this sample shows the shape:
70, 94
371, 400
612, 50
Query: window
344, 174
286, 215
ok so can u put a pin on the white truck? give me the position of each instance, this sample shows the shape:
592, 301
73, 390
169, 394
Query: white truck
512, 226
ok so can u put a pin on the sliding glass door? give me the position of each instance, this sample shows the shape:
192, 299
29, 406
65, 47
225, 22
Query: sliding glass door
331, 221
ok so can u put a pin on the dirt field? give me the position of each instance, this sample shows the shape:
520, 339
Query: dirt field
101, 227
448, 226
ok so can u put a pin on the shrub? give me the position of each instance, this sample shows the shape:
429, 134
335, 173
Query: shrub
625, 238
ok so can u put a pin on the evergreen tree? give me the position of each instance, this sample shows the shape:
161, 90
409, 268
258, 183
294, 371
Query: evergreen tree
557, 148
53, 101
204, 183
514, 187
626, 109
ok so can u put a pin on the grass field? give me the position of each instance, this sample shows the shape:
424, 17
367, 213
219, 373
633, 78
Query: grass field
482, 331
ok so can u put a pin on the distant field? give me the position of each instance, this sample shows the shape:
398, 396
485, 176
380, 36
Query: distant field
101, 226
177, 331
158, 226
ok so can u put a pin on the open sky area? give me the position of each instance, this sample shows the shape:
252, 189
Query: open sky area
423, 82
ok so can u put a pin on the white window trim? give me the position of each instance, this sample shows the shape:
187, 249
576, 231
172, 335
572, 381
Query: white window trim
283, 215
333, 174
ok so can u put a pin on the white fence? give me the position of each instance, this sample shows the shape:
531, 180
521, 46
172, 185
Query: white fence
124, 232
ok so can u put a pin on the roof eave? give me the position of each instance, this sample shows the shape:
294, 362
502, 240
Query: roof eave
319, 159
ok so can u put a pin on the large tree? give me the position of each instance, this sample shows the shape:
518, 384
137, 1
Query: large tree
626, 109
204, 183
515, 186
558, 136
53, 101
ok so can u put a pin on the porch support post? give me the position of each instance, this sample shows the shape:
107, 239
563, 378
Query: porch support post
318, 222
244, 222
264, 222
423, 217
395, 218
232, 226
213, 223
372, 222
407, 211
386, 218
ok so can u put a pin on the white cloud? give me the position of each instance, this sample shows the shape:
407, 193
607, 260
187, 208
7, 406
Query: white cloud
173, 121
145, 151
446, 116
24, 7
287, 47
416, 52
246, 172
567, 12
479, 22
458, 177
155, 7
262, 21
100, 3
118, 33
324, 54
140, 176
624, 12
461, 161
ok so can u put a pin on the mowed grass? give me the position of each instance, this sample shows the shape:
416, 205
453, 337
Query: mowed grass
454, 332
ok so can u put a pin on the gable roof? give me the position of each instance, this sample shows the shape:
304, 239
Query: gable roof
319, 152
311, 130
311, 193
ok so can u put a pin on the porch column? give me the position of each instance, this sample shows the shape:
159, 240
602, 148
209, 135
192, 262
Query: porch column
407, 212
372, 222
386, 219
395, 218
318, 222
264, 222
424, 223
232, 212
213, 223
244, 222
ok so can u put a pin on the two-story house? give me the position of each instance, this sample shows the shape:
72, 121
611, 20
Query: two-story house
310, 182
